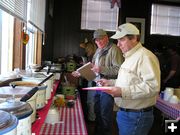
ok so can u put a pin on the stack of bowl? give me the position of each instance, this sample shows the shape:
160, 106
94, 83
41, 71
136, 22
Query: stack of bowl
170, 96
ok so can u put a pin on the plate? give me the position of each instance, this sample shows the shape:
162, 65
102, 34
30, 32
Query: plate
97, 88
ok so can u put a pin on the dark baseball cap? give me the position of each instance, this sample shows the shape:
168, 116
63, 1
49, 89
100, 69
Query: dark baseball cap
99, 33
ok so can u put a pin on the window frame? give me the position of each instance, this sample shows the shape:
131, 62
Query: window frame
158, 32
99, 24
19, 49
18, 59
19, 53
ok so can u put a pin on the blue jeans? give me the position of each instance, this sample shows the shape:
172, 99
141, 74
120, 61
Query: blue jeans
90, 103
134, 123
104, 113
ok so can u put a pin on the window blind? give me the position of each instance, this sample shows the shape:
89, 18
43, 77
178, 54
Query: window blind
165, 20
37, 13
99, 14
17, 8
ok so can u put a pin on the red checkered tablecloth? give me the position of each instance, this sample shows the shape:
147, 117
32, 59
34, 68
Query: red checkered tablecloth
171, 110
71, 122
36, 126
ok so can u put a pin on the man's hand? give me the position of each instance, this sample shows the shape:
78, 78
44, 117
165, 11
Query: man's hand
103, 82
114, 91
96, 69
76, 74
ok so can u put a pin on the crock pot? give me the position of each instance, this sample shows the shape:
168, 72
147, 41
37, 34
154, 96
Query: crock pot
17, 93
22, 111
41, 93
56, 67
8, 123
71, 66
38, 77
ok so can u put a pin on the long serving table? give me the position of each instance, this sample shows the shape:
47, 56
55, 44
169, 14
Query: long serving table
71, 119
172, 111
71, 122
42, 113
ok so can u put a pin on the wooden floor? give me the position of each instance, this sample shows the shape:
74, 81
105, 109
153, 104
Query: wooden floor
157, 128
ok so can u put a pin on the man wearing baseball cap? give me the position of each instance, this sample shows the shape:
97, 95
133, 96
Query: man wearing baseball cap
138, 83
106, 62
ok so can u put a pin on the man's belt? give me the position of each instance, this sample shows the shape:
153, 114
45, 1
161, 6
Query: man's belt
137, 110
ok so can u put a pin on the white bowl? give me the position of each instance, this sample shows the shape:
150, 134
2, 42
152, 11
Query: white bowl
168, 92
174, 99
52, 116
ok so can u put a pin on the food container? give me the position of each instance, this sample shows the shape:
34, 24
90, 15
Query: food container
8, 123
52, 116
174, 99
17, 93
56, 67
34, 67
71, 66
38, 77
59, 100
168, 92
68, 89
41, 93
70, 103
22, 111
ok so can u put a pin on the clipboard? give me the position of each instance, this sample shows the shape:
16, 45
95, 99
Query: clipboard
97, 88
86, 72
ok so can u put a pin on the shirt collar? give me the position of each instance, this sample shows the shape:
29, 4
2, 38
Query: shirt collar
133, 50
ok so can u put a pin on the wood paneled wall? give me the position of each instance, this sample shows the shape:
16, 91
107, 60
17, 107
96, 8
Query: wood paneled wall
63, 34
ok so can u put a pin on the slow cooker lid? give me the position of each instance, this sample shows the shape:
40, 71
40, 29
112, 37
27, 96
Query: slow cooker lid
17, 92
5, 119
7, 122
39, 75
12, 105
35, 76
18, 108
